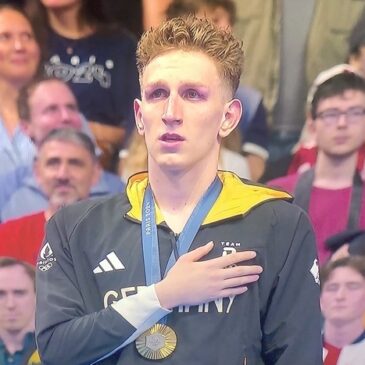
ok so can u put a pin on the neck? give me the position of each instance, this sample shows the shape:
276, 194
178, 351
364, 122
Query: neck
177, 193
13, 340
340, 335
49, 212
335, 173
65, 22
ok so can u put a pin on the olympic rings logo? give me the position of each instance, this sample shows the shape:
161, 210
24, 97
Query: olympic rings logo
45, 267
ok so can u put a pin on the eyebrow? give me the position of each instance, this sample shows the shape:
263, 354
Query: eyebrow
161, 83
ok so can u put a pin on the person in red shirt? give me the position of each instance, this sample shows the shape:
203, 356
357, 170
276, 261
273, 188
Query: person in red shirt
332, 192
66, 169
343, 308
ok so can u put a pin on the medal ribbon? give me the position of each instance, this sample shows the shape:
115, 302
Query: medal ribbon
151, 254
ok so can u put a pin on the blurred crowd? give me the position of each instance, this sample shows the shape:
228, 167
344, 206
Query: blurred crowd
68, 79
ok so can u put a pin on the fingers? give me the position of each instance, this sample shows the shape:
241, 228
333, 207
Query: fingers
240, 281
238, 271
232, 292
198, 253
232, 259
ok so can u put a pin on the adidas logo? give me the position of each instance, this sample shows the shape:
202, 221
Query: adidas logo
111, 263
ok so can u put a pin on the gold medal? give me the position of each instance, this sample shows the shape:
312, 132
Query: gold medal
157, 342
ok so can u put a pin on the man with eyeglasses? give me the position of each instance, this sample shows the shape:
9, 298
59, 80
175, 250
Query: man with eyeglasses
332, 191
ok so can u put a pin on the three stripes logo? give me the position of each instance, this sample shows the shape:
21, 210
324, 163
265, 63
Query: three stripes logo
111, 263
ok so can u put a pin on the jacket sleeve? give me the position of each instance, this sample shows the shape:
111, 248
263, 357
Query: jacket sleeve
65, 327
292, 320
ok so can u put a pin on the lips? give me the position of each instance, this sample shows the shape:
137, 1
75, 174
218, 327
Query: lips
171, 137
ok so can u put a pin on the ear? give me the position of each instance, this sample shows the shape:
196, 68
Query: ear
231, 117
137, 106
311, 131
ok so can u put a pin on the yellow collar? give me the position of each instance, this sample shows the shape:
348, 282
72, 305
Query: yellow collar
236, 198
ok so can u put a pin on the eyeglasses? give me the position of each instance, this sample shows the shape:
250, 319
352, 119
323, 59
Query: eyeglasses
331, 116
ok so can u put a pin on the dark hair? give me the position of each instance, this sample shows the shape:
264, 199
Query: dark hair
37, 34
357, 37
11, 261
97, 13
336, 85
72, 136
178, 8
356, 263
26, 92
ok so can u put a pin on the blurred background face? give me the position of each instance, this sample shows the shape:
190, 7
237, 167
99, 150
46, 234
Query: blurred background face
343, 296
219, 16
342, 137
65, 172
19, 51
17, 299
52, 105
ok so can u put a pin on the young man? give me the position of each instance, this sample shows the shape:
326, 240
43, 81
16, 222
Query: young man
252, 129
44, 105
343, 308
66, 168
169, 272
332, 192
17, 307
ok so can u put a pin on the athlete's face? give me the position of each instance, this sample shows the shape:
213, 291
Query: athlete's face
65, 172
343, 296
185, 110
17, 300
52, 105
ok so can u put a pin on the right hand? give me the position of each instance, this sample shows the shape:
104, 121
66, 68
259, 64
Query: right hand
192, 282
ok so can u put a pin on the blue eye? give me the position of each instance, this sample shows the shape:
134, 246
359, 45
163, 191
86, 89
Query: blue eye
192, 94
158, 94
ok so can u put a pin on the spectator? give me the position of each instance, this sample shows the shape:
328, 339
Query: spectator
343, 308
65, 169
253, 126
17, 307
97, 59
304, 154
43, 105
332, 192
19, 61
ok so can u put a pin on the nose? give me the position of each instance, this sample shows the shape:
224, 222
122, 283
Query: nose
65, 116
18, 44
340, 293
10, 301
63, 172
342, 120
172, 112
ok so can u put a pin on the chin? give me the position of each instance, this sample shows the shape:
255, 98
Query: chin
63, 200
